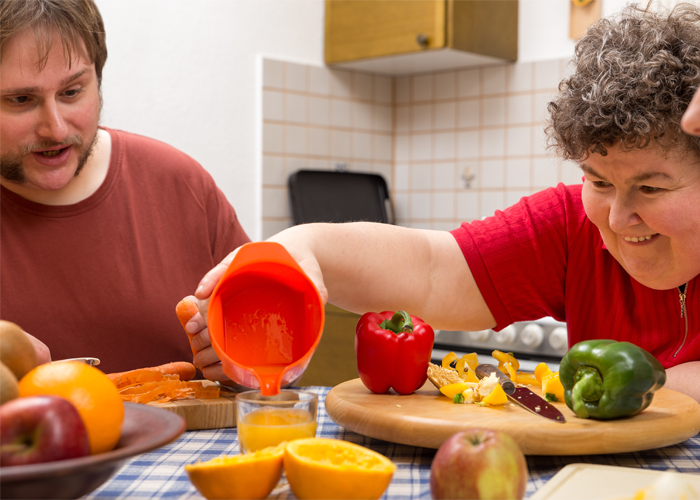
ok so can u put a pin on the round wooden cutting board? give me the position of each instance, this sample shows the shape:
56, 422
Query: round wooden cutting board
427, 418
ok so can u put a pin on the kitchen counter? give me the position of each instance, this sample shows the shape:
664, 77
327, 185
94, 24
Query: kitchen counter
160, 474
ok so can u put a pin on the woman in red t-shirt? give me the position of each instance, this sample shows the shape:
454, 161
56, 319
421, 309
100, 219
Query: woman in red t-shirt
617, 257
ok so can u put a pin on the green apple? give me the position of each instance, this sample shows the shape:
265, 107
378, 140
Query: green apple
478, 464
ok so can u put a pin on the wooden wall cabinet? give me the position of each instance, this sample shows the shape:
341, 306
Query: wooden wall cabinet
406, 36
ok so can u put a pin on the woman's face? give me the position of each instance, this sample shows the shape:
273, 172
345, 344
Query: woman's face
647, 208
691, 118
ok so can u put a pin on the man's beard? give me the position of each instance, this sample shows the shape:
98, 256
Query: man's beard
11, 168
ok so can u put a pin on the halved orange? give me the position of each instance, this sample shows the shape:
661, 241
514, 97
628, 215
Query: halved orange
319, 468
253, 475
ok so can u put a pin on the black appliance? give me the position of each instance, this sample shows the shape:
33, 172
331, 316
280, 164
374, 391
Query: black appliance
331, 196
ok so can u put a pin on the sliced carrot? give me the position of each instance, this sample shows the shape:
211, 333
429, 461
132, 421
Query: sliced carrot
140, 376
161, 383
138, 388
146, 398
192, 385
185, 310
207, 392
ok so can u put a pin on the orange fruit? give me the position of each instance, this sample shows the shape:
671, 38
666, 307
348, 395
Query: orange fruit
91, 392
253, 475
335, 469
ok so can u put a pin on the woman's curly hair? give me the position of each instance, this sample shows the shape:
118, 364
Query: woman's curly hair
633, 77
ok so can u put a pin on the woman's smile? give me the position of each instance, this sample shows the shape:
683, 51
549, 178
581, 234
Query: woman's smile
646, 205
638, 239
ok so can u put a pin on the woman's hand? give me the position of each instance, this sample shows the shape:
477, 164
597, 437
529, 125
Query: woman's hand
297, 244
683, 378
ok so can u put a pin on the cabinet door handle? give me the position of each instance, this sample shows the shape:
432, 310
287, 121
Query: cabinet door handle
422, 40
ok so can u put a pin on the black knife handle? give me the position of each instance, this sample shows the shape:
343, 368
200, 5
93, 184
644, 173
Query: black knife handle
507, 384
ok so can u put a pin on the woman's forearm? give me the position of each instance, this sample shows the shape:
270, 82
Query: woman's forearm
684, 378
372, 267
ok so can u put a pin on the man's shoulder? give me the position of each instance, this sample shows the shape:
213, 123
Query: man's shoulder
139, 148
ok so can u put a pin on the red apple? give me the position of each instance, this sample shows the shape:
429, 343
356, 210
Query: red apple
478, 464
37, 429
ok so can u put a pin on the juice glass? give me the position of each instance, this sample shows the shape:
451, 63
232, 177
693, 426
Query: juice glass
270, 420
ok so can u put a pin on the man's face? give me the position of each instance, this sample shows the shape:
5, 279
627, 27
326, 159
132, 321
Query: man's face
647, 208
48, 118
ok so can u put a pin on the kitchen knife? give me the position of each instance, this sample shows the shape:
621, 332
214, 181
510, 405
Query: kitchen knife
521, 395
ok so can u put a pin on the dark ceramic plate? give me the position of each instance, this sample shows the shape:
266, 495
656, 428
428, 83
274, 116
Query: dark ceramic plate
145, 428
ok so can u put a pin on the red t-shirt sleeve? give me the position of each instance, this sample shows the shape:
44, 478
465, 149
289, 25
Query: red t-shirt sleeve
518, 257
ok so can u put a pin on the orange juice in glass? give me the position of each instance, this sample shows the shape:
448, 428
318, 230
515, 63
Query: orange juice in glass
270, 420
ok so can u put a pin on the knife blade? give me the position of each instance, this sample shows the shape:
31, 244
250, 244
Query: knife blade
521, 395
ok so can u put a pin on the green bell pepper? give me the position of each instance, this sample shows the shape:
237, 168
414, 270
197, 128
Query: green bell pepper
606, 379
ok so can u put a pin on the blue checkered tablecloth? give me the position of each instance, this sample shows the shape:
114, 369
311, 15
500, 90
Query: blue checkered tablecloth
160, 473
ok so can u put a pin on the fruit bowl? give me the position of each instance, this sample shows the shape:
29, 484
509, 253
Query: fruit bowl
145, 428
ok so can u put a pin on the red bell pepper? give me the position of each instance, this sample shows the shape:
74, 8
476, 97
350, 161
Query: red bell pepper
393, 351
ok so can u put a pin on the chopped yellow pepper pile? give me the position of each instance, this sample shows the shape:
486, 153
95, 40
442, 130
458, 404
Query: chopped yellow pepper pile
471, 390
543, 376
488, 391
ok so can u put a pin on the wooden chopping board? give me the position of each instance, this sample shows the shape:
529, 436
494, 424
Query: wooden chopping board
201, 414
427, 418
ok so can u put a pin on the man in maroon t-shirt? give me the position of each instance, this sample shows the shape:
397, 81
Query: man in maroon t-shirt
102, 232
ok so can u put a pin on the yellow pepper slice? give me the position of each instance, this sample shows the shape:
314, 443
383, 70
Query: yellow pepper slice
511, 372
465, 371
452, 389
541, 370
497, 396
527, 379
552, 385
449, 359
460, 367
472, 360
504, 358
471, 376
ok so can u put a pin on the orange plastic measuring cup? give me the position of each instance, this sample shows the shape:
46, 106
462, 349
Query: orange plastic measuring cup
265, 318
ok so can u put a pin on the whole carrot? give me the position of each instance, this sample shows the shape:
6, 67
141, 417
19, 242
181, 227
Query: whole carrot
185, 370
185, 310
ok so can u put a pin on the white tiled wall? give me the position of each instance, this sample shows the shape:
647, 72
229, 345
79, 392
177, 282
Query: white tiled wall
453, 146
316, 118
470, 142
